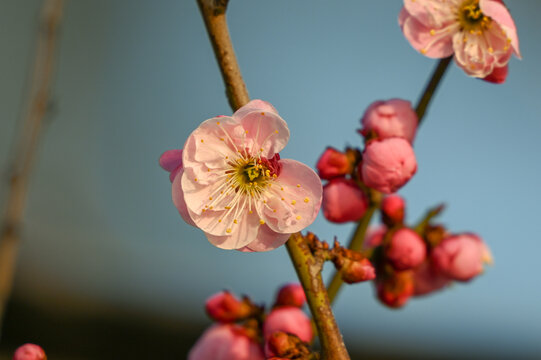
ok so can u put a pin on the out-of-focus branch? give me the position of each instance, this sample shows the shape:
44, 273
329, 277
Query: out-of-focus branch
431, 86
213, 12
26, 145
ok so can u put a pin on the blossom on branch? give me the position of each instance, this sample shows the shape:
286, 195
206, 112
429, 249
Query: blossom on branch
480, 33
234, 186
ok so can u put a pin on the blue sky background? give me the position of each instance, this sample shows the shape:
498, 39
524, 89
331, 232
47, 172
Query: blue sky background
134, 78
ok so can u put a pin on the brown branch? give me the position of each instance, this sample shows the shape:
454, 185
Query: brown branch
25, 149
213, 12
308, 269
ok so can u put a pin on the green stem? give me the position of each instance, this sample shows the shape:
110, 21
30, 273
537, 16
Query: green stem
308, 269
431, 87
356, 244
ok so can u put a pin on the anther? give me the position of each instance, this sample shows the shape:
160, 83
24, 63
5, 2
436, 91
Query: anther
306, 199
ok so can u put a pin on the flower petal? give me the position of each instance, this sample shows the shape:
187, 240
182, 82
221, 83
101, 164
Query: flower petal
178, 199
171, 159
254, 105
266, 240
499, 13
243, 233
433, 46
293, 200
266, 132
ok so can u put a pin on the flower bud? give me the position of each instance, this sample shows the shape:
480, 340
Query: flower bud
405, 250
171, 161
353, 267
461, 257
333, 163
374, 236
29, 352
396, 289
291, 295
343, 201
393, 210
224, 307
427, 279
281, 345
388, 164
226, 342
288, 319
390, 118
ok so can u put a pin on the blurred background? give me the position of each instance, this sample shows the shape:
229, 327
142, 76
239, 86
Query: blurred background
108, 270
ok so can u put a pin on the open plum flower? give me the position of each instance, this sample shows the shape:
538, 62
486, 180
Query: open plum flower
480, 33
232, 184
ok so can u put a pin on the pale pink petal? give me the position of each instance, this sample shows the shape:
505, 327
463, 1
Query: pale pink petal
404, 14
473, 55
242, 233
173, 174
171, 159
267, 240
178, 199
430, 13
293, 200
499, 13
433, 46
203, 192
266, 132
254, 105
212, 142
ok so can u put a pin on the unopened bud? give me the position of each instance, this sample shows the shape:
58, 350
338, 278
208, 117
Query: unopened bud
224, 307
29, 352
291, 295
406, 249
353, 267
393, 210
333, 163
289, 319
395, 289
343, 201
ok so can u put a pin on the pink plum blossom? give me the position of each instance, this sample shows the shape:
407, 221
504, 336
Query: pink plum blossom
480, 33
388, 164
289, 319
29, 352
234, 186
343, 201
390, 118
333, 163
461, 257
226, 342
405, 250
291, 295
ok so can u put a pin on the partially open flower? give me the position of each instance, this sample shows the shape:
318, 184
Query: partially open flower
480, 33
461, 257
333, 163
234, 186
391, 118
226, 342
388, 164
405, 250
343, 201
29, 352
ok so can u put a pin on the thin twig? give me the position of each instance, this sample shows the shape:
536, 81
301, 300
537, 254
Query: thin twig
431, 87
26, 147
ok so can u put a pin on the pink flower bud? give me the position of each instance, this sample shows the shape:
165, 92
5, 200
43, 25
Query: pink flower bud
29, 352
396, 289
406, 249
333, 163
353, 267
281, 345
225, 307
374, 236
428, 279
388, 164
461, 257
393, 209
390, 118
226, 342
343, 201
291, 295
290, 320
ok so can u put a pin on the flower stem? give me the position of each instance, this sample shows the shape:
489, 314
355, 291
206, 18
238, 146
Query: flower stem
307, 267
355, 243
213, 12
27, 144
431, 87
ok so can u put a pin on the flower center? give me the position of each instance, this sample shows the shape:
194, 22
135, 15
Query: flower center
471, 18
